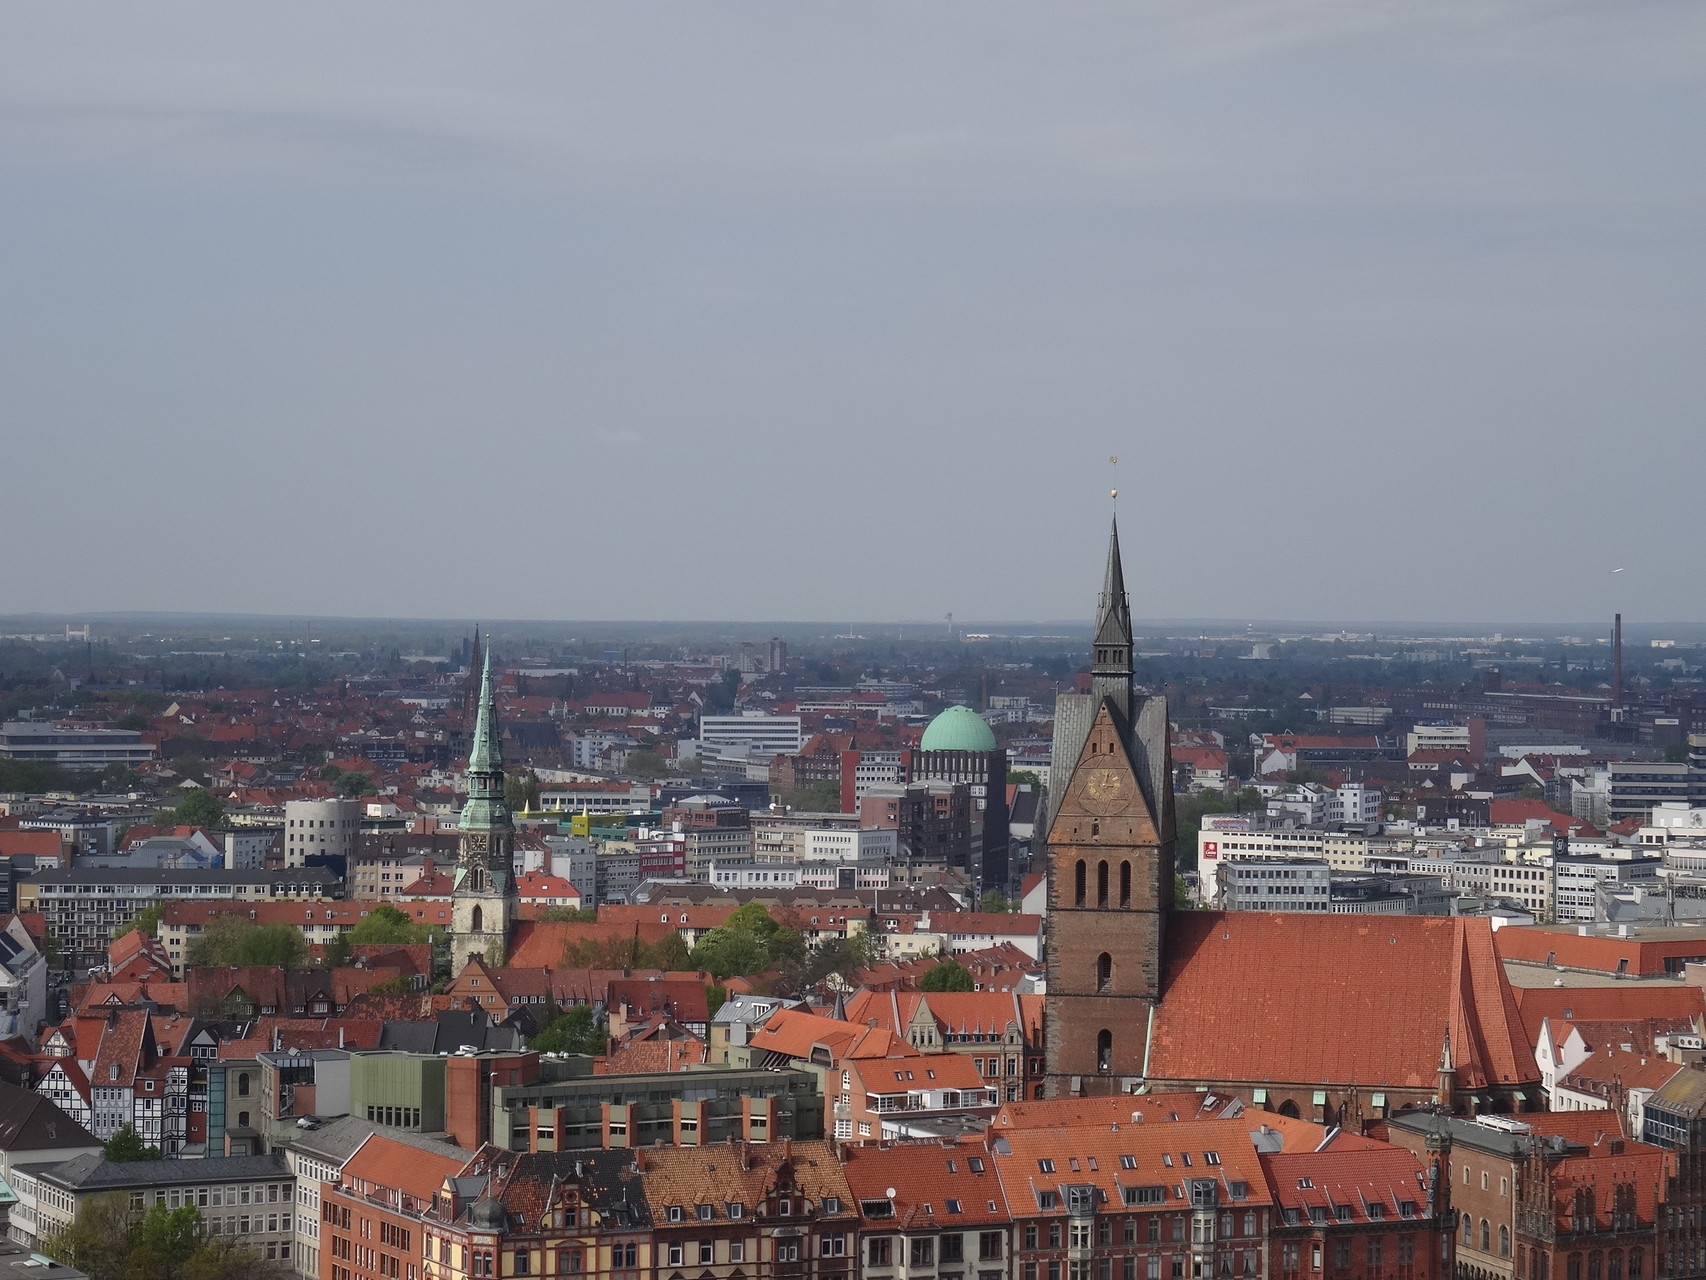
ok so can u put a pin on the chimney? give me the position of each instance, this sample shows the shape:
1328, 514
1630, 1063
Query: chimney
1617, 662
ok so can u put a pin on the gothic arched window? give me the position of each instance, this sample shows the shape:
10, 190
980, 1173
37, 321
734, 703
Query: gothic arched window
477, 919
1078, 884
1102, 884
1104, 1050
1125, 884
1104, 971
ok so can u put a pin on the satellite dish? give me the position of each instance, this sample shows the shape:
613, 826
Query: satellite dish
889, 1193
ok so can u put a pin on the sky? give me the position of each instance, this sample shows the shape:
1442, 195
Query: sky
839, 311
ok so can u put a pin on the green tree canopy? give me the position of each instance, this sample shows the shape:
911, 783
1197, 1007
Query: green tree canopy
386, 924
577, 1031
645, 764
947, 975
727, 952
199, 808
127, 1146
354, 783
147, 920
232, 940
818, 797
995, 902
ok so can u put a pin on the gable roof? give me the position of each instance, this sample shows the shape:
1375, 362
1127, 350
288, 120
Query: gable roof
31, 1122
1403, 982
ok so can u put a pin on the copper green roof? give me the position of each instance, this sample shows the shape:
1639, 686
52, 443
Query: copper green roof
957, 729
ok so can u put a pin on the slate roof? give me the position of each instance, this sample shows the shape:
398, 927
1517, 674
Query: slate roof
31, 1122
1402, 982
95, 1172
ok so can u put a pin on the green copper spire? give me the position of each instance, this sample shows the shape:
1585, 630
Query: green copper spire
486, 809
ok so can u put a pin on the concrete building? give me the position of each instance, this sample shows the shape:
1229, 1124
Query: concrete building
1579, 882
321, 829
1274, 884
73, 746
85, 906
755, 737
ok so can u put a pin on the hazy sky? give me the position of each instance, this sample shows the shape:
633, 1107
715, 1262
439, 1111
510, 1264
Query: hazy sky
821, 311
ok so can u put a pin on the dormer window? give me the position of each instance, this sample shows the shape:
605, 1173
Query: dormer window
673, 1213
706, 1213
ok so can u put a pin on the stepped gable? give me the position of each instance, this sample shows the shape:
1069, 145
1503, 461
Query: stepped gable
1265, 998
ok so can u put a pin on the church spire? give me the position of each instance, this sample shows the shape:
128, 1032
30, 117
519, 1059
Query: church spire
486, 808
1110, 667
486, 754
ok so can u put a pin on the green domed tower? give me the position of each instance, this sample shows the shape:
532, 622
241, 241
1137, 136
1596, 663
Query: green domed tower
958, 747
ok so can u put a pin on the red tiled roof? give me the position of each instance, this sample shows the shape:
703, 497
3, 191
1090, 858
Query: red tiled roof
1402, 982
385, 1162
1604, 1004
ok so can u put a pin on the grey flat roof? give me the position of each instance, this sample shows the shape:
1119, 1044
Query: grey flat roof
91, 1173
337, 1140
157, 875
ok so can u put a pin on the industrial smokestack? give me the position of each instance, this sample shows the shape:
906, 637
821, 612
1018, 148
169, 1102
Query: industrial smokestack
1617, 660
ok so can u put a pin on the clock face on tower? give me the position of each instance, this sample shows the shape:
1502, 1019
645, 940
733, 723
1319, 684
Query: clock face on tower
478, 841
1104, 791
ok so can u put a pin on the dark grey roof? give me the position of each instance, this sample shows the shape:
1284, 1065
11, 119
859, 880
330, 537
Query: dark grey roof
410, 1037
337, 1140
156, 875
31, 1122
97, 1173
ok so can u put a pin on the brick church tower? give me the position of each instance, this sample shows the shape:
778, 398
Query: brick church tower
1110, 863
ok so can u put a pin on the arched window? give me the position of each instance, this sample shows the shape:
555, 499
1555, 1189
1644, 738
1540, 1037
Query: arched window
1573, 1267
1594, 1262
476, 921
1078, 883
1289, 1108
1125, 884
1504, 1241
1486, 1236
1469, 1229
1102, 884
1104, 1050
1104, 971
1614, 1265
1635, 1264
242, 1084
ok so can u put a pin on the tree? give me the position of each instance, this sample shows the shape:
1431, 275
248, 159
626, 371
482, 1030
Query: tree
117, 777
727, 952
147, 920
330, 772
127, 1146
996, 903
645, 764
668, 953
947, 975
354, 783
386, 924
1677, 753
167, 1239
577, 1031
1024, 777
132, 720
336, 953
99, 1241
819, 797
1183, 898
836, 957
232, 940
200, 808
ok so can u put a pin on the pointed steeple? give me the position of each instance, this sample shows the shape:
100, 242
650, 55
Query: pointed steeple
1110, 665
485, 809
1113, 611
486, 753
